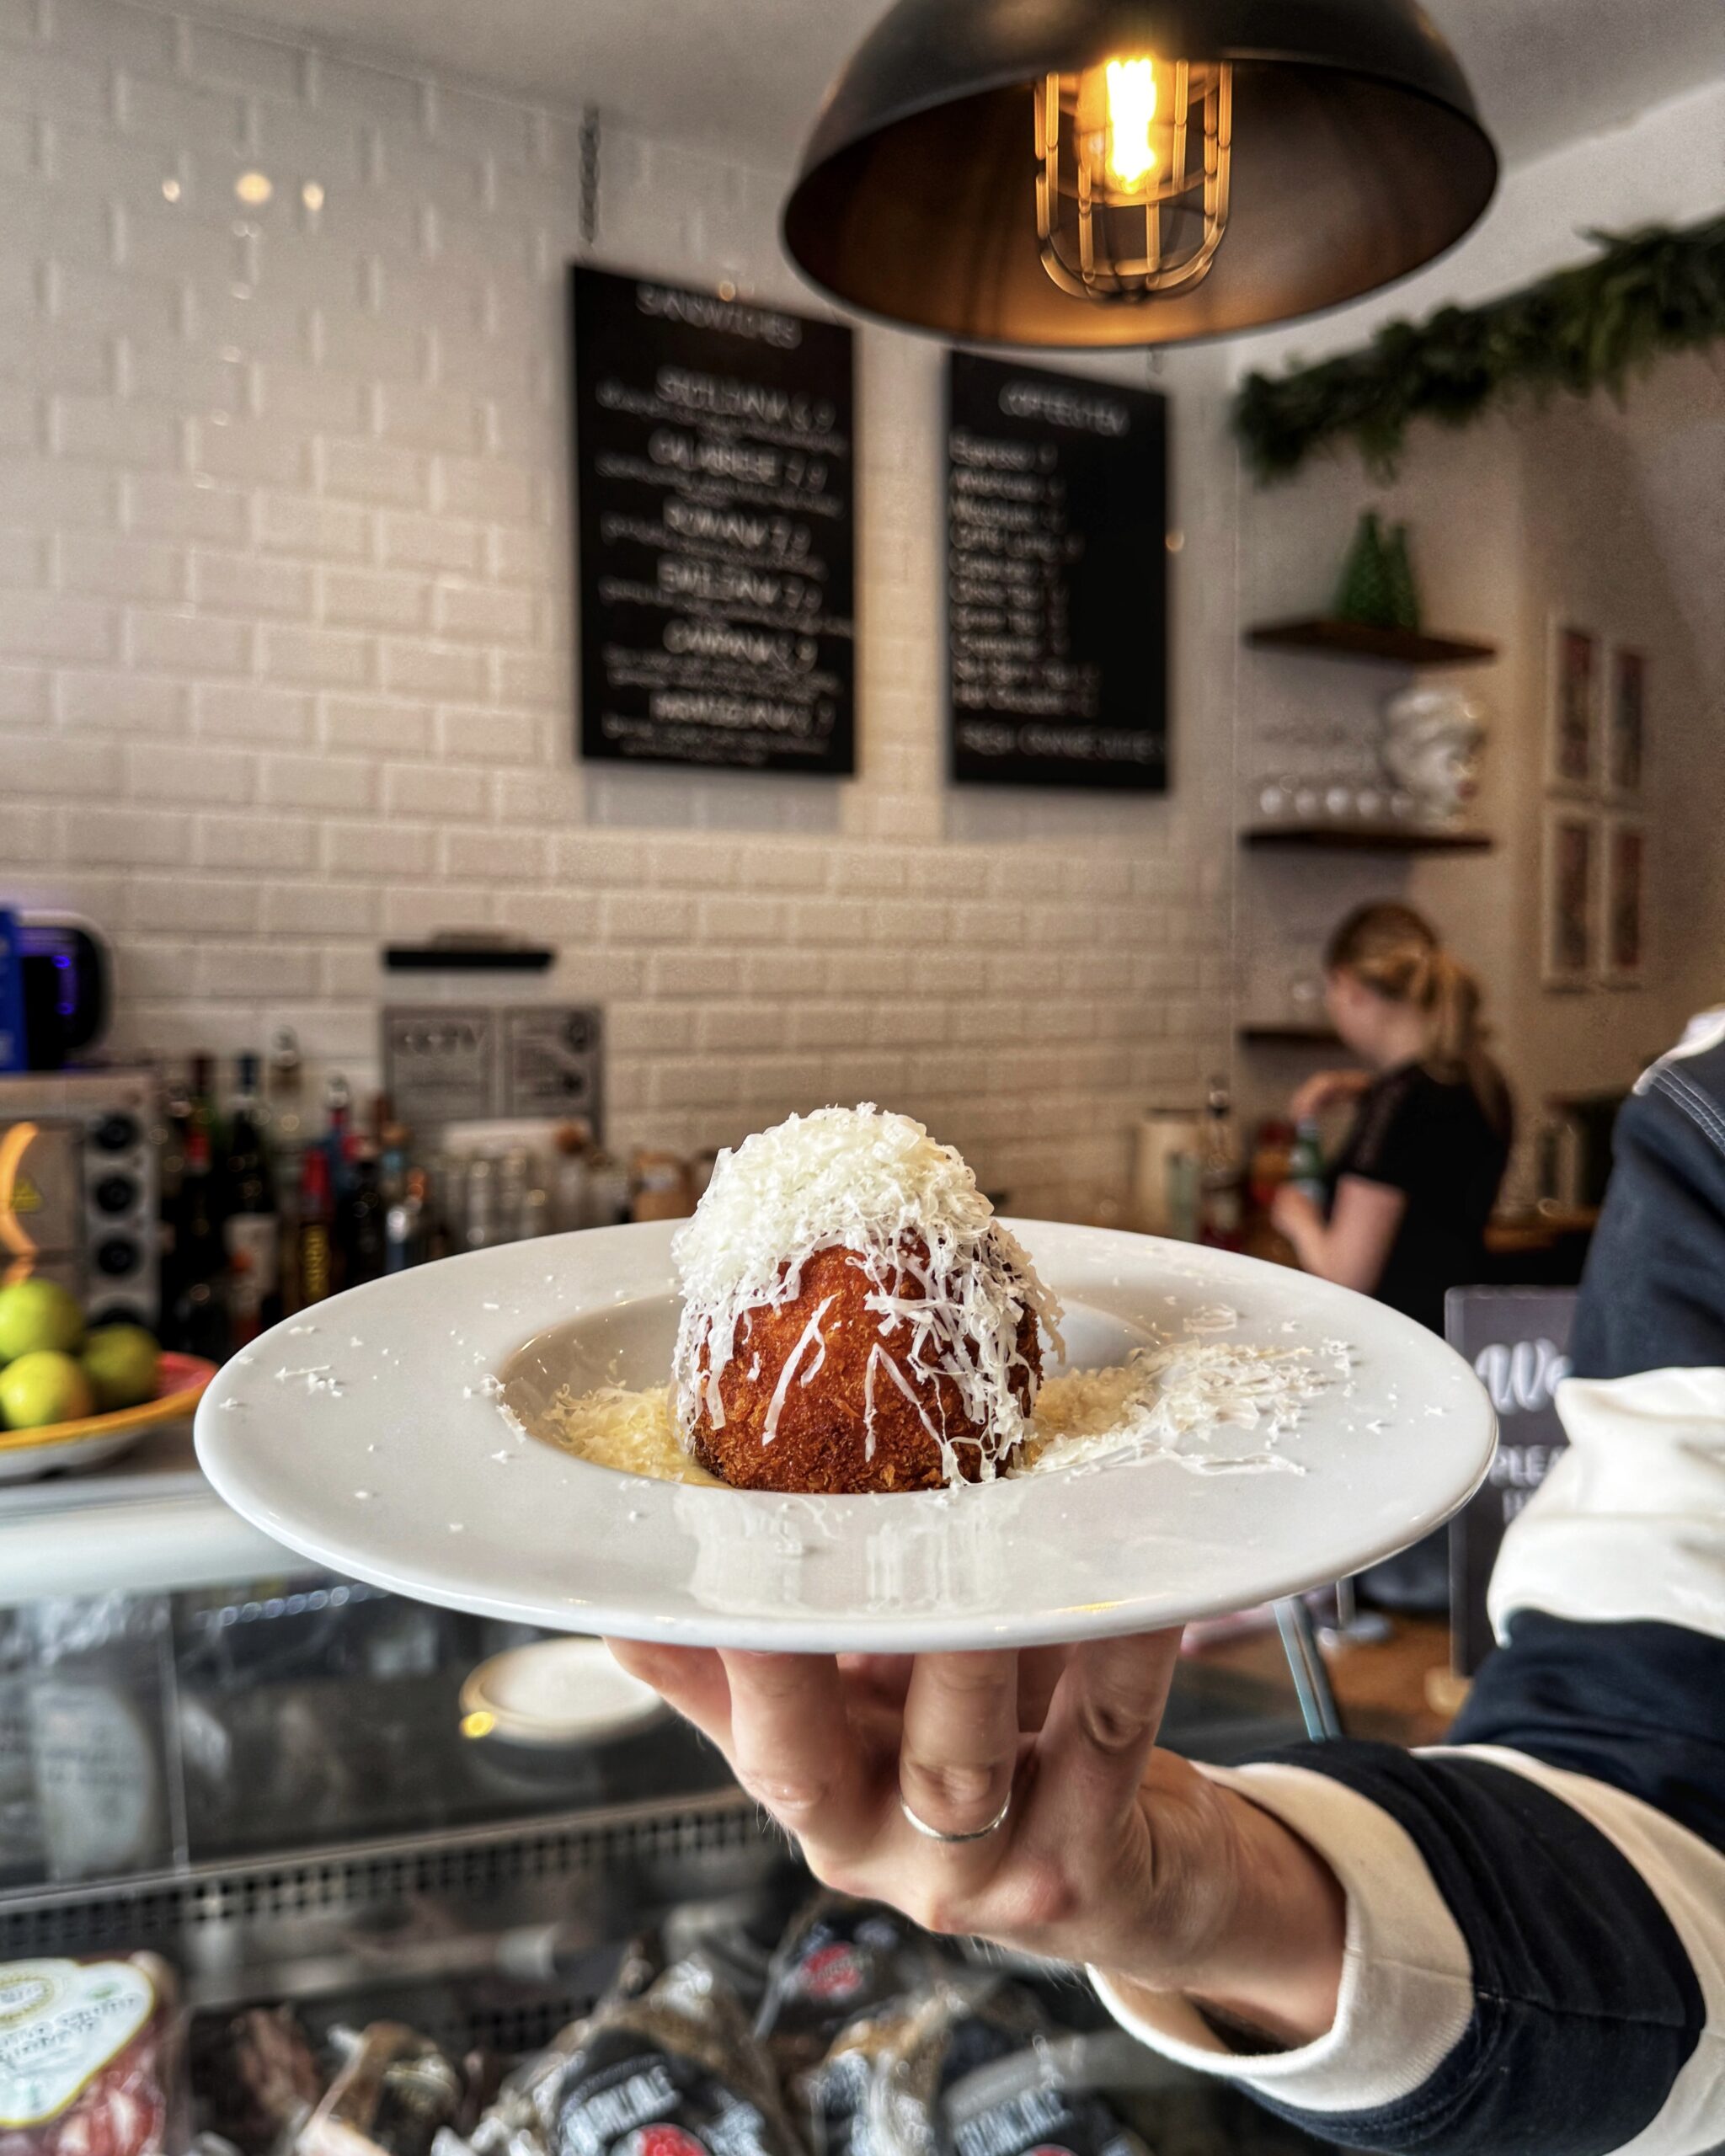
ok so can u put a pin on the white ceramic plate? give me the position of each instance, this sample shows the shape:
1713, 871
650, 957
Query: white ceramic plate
368, 1435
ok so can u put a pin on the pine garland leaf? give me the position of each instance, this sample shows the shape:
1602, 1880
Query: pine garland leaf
1594, 325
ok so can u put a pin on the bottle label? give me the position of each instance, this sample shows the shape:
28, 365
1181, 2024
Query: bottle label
253, 1241
314, 1261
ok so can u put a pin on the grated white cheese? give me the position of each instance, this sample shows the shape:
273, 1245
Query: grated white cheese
1150, 1406
633, 1433
876, 1184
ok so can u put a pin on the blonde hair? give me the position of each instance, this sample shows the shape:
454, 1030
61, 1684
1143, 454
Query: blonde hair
1397, 954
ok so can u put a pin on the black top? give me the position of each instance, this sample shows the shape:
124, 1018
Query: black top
1430, 1138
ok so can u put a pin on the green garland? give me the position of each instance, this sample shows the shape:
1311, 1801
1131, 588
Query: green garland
1645, 293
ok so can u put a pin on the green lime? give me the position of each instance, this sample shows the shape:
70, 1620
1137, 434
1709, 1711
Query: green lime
42, 1387
120, 1362
38, 1313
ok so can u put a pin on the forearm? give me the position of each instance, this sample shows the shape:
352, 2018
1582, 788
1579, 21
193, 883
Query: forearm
1328, 1256
1310, 1238
1525, 1951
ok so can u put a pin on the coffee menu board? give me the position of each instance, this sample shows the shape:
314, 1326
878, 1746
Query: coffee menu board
1057, 579
1516, 1339
713, 480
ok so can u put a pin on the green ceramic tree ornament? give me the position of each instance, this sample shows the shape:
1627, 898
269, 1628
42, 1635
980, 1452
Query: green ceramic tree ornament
1404, 593
1364, 594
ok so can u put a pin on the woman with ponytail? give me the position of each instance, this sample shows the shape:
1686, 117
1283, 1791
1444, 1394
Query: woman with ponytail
1413, 1188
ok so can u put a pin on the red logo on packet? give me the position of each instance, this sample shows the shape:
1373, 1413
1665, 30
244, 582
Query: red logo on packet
832, 1973
659, 2140
1048, 2148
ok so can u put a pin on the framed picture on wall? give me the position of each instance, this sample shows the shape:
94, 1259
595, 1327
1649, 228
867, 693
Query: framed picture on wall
1572, 708
1626, 722
1624, 958
1569, 906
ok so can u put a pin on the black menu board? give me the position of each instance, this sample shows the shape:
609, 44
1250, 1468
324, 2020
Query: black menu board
1515, 1339
1057, 579
713, 466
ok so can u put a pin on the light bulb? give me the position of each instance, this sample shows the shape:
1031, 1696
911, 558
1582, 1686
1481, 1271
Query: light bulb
1132, 174
1131, 92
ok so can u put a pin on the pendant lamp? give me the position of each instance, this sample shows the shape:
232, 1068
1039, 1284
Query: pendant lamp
1105, 173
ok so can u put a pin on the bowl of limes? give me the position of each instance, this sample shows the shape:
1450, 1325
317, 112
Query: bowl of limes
71, 1395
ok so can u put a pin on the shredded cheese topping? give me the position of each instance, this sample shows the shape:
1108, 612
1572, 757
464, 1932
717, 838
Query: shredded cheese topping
1164, 1401
876, 1185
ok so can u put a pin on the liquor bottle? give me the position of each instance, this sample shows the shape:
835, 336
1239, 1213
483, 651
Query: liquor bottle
170, 1171
481, 1228
204, 1115
251, 1226
285, 1099
284, 1119
445, 1198
392, 1163
339, 1132
1305, 1164
404, 1224
571, 1194
1220, 1212
316, 1218
199, 1314
360, 1222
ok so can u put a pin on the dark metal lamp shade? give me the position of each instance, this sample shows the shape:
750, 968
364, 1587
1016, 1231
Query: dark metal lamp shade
1356, 155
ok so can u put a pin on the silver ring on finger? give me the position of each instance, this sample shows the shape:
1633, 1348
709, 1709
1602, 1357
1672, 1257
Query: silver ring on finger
940, 1834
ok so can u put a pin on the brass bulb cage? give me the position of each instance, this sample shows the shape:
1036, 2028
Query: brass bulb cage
1085, 225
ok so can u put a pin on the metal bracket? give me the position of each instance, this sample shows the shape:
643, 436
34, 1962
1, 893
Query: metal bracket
589, 175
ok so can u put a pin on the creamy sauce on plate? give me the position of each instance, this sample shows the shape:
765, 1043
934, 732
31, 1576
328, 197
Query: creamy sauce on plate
1165, 1403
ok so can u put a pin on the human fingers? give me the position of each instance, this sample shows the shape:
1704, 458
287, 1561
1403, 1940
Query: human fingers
1308, 1099
960, 1742
1099, 1733
691, 1680
793, 1748
882, 1678
1040, 1671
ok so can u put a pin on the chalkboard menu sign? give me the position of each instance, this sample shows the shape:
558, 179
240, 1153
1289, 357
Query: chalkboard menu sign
1515, 1339
1057, 579
713, 471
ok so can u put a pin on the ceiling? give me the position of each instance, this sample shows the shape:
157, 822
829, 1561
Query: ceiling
746, 75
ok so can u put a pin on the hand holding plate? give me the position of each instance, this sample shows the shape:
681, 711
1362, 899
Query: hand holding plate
1021, 1798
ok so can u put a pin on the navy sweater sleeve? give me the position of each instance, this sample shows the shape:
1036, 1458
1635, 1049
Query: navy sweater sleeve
1537, 1909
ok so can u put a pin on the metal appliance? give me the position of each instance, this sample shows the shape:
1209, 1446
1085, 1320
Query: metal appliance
78, 1188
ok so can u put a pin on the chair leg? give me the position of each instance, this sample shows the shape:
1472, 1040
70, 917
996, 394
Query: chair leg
1305, 1666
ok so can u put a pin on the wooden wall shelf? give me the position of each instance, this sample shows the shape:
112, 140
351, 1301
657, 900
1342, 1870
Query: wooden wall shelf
1335, 639
1364, 838
1290, 1036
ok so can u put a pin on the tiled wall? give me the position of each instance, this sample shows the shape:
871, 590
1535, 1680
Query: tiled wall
285, 632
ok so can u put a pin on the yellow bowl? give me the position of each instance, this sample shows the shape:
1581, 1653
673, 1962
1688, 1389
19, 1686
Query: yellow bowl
179, 1386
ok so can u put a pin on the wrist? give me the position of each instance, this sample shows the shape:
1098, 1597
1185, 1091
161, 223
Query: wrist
1266, 1952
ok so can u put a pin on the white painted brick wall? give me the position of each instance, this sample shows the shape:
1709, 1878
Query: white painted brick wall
284, 609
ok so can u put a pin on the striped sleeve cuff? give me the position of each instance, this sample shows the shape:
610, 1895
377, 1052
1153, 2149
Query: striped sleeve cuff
1406, 1989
